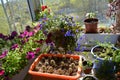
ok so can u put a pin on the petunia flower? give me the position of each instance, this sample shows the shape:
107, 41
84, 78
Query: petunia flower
14, 46
37, 50
14, 33
30, 34
1, 36
2, 72
28, 28
30, 55
43, 7
4, 53
40, 41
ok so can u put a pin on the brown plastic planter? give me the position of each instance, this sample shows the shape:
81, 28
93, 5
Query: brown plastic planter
47, 76
91, 25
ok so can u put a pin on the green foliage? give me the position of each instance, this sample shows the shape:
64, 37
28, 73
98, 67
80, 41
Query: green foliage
116, 59
11, 63
91, 15
105, 71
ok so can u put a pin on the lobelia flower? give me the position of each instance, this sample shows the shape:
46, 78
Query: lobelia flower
2, 72
69, 33
30, 55
4, 53
14, 46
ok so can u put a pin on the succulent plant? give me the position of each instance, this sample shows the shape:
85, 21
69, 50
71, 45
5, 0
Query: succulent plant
70, 70
72, 65
50, 69
43, 68
52, 62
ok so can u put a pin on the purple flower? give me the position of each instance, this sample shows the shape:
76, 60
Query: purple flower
14, 33
78, 47
25, 33
28, 28
4, 53
1, 35
2, 72
69, 33
69, 52
30, 55
14, 46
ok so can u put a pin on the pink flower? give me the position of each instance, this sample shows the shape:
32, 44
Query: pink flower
2, 72
30, 55
30, 34
3, 54
14, 46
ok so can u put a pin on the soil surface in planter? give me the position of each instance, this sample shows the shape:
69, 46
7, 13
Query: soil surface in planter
58, 65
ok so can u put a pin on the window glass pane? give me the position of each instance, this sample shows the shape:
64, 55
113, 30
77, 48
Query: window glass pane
18, 14
79, 8
4, 27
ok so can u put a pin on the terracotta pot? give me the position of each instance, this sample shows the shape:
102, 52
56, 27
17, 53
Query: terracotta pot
47, 76
91, 25
87, 71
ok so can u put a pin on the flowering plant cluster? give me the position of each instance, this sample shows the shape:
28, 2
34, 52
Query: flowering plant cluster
62, 32
16, 50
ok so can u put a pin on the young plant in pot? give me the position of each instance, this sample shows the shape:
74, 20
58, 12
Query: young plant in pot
87, 65
103, 67
103, 50
91, 23
104, 70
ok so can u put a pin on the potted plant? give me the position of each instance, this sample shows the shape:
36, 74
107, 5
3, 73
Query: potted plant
67, 29
116, 59
91, 23
87, 66
104, 70
56, 67
104, 58
103, 50
89, 77
19, 51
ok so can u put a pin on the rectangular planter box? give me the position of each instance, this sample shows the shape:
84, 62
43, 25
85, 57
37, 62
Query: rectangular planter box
21, 75
47, 76
90, 40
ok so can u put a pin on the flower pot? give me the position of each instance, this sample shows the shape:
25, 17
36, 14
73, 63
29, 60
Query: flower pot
87, 71
91, 25
99, 47
89, 77
52, 76
104, 70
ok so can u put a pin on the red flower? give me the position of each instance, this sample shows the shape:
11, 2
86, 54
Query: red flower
43, 7
2, 72
37, 50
